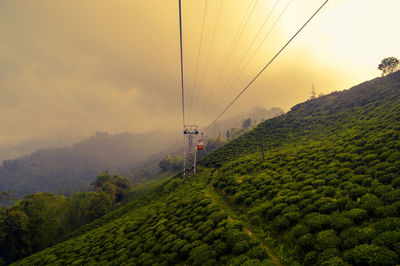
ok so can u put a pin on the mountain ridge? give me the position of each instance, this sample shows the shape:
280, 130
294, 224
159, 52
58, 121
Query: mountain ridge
74, 167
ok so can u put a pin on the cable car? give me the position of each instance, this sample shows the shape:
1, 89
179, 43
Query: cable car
200, 145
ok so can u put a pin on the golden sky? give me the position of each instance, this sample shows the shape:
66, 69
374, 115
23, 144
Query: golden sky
71, 68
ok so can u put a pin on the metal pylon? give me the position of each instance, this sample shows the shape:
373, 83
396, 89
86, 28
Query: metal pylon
190, 131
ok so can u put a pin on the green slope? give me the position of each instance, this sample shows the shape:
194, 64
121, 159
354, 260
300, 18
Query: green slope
327, 193
174, 224
329, 188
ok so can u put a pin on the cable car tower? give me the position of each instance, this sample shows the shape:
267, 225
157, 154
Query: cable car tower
190, 131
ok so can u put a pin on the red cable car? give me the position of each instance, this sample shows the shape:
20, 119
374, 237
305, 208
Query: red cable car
200, 145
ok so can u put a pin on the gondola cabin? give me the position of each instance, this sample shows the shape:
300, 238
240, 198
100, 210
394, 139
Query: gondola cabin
200, 145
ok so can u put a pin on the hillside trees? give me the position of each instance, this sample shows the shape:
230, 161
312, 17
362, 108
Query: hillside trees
6, 197
13, 235
389, 65
115, 186
84, 207
169, 162
246, 123
43, 219
174, 225
228, 135
213, 144
165, 164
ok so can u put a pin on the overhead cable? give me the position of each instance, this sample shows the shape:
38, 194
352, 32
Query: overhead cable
181, 51
198, 58
262, 70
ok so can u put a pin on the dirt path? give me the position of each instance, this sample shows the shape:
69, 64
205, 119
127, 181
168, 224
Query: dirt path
270, 253
209, 192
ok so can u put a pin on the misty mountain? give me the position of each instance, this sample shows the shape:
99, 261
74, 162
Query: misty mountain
74, 167
21, 148
256, 114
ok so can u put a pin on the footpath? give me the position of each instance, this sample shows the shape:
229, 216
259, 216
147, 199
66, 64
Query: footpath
211, 193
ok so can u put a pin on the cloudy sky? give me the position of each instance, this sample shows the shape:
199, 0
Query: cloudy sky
71, 68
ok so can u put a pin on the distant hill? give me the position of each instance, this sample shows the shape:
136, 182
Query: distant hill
256, 114
319, 185
70, 168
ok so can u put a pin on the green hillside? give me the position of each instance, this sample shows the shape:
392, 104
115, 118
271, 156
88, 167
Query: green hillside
329, 187
176, 223
326, 193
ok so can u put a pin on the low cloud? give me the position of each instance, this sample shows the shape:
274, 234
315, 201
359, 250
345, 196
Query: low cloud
69, 69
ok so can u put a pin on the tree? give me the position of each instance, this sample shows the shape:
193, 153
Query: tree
213, 144
246, 123
202, 254
7, 196
177, 163
228, 135
165, 164
10, 165
371, 255
116, 186
84, 207
174, 162
389, 65
13, 235
45, 212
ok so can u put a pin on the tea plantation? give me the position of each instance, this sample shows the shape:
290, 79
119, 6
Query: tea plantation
175, 224
329, 185
320, 185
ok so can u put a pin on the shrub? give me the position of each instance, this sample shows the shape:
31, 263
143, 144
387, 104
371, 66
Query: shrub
306, 241
281, 222
391, 196
221, 248
350, 237
371, 255
370, 203
389, 239
327, 254
326, 239
253, 262
357, 215
238, 260
239, 197
257, 252
316, 222
340, 222
218, 216
201, 254
334, 261
310, 258
241, 247
298, 231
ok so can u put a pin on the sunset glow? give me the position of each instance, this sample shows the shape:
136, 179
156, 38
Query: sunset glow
119, 63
